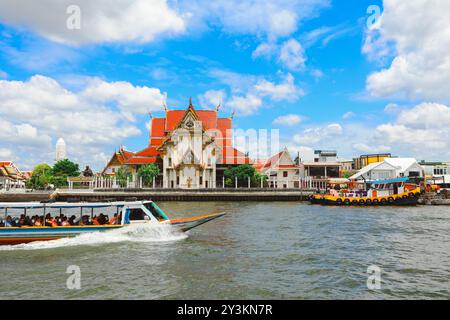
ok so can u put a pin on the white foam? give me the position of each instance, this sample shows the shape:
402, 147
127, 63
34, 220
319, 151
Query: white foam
134, 233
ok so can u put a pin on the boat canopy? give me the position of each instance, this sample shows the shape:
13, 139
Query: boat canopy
388, 180
67, 205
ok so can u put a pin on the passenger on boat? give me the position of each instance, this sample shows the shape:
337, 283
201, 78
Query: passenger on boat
65, 222
72, 220
38, 222
95, 221
113, 220
9, 222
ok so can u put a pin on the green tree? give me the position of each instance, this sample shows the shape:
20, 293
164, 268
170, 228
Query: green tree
41, 176
242, 173
122, 174
66, 168
147, 173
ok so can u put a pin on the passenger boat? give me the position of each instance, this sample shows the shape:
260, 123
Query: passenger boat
125, 214
392, 192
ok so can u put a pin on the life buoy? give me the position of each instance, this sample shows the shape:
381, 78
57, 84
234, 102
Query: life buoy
411, 194
339, 201
355, 202
391, 200
347, 202
375, 201
405, 197
383, 201
368, 202
362, 202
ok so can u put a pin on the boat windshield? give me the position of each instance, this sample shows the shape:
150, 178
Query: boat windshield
155, 211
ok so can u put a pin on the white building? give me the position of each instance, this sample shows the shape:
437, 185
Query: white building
390, 168
60, 150
281, 170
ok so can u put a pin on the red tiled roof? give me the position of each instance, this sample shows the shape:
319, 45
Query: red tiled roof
173, 117
141, 160
148, 152
233, 156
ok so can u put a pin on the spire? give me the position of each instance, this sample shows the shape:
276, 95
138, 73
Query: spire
190, 103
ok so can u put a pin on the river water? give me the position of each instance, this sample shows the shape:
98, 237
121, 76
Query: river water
270, 250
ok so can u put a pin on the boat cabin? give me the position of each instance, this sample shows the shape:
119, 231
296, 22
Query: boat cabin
36, 214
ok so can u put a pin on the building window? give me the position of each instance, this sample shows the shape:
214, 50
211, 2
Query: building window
178, 180
201, 179
285, 174
170, 162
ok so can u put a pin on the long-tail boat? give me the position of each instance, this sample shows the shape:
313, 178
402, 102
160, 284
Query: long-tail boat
33, 221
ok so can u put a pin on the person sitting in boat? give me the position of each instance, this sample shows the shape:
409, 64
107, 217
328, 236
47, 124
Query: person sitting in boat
38, 222
9, 222
113, 220
72, 220
65, 222
95, 221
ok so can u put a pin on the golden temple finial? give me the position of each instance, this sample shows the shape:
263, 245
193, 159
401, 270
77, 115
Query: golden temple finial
190, 102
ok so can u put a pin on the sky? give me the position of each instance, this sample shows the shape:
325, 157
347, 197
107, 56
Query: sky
356, 76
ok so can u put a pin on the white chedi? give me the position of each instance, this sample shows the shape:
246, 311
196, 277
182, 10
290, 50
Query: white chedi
61, 152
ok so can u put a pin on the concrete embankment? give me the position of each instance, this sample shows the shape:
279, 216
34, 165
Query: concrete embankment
25, 196
187, 195
164, 195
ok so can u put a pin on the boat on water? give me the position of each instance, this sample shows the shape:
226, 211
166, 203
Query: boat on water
35, 221
391, 192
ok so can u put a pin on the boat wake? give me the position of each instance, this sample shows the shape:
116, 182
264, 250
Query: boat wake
134, 233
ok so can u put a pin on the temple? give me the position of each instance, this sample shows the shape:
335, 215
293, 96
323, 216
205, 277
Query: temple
192, 149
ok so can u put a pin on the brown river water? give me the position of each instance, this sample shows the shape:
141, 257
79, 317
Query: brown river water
269, 250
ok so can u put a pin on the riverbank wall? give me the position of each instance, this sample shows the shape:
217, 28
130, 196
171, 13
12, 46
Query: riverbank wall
163, 195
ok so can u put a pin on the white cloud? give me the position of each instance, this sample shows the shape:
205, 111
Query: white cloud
288, 120
313, 136
248, 92
317, 74
101, 20
3, 74
265, 49
286, 90
370, 149
348, 115
292, 55
270, 19
130, 99
5, 154
419, 30
34, 113
212, 98
245, 105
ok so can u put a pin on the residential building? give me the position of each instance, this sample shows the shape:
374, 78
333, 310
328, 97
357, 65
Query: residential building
390, 168
282, 171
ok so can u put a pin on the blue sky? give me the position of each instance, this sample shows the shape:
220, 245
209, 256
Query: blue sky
313, 69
